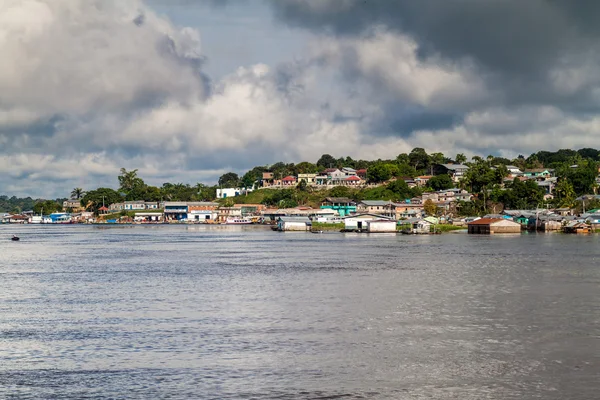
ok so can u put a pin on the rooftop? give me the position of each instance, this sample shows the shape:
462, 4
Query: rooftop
339, 200
485, 221
376, 202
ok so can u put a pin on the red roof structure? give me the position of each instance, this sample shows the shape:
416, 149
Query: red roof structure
103, 209
289, 179
353, 178
485, 221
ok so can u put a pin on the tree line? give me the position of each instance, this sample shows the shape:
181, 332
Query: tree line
576, 171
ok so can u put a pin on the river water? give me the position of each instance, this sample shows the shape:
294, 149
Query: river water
221, 312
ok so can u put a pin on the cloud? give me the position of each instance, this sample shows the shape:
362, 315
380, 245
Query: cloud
89, 87
465, 75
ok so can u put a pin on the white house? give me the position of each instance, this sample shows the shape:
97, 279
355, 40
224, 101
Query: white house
223, 193
381, 226
359, 221
293, 224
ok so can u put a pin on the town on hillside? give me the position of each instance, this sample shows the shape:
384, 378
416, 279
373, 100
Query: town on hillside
415, 193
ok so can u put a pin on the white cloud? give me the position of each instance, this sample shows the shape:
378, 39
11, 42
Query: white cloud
510, 132
390, 64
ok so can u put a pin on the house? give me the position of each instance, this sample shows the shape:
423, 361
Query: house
60, 218
16, 219
148, 217
326, 176
353, 181
289, 181
381, 226
456, 171
114, 207
416, 226
410, 182
343, 205
285, 224
422, 180
175, 210
73, 204
548, 185
447, 196
514, 171
497, 216
576, 227
251, 209
362, 173
227, 212
563, 211
326, 215
359, 221
134, 205
267, 179
382, 207
593, 218
407, 210
310, 179
493, 226
537, 173
202, 211
522, 217
223, 193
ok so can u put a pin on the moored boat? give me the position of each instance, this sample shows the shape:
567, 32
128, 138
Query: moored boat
237, 221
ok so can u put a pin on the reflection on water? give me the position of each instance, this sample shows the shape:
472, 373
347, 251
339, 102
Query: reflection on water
242, 312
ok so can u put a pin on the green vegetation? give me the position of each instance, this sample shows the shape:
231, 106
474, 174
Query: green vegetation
320, 226
47, 207
448, 228
15, 204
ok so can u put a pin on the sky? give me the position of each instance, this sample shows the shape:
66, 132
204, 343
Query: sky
186, 90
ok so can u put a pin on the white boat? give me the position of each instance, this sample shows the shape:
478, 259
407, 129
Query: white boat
238, 221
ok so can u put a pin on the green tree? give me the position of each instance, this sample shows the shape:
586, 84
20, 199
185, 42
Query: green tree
306, 167
47, 207
460, 158
93, 199
429, 207
327, 161
402, 158
419, 158
400, 190
381, 172
77, 193
441, 182
340, 191
131, 185
205, 193
252, 177
302, 185
565, 193
230, 179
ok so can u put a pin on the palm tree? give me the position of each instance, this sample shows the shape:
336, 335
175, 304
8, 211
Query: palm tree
77, 193
460, 158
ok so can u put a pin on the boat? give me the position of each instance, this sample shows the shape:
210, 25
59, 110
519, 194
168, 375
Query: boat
15, 238
238, 221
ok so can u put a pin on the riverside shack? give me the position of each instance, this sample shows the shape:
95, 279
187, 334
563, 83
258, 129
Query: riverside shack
490, 226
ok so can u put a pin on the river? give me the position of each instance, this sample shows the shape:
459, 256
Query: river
231, 312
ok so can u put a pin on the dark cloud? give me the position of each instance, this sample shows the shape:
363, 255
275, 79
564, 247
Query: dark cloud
515, 44
411, 121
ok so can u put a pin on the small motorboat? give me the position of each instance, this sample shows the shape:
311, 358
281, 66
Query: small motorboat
15, 238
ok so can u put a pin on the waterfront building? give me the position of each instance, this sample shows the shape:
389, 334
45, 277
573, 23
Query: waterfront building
293, 224
175, 210
343, 205
493, 226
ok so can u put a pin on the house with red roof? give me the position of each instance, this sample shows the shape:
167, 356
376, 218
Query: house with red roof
289, 181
